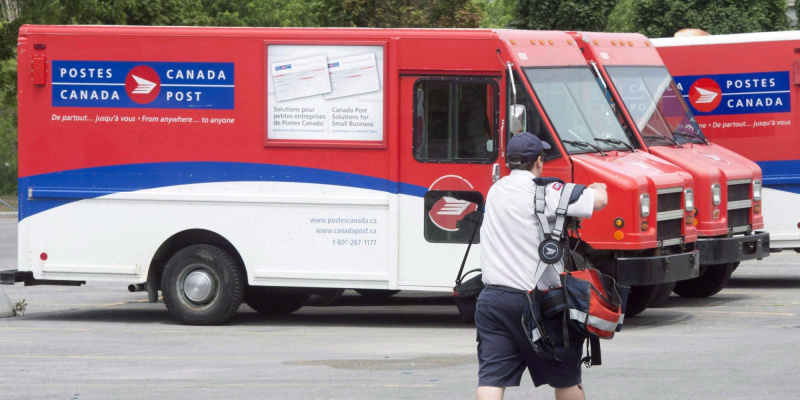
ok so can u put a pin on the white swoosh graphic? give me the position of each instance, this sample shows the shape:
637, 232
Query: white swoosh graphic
453, 206
706, 96
144, 86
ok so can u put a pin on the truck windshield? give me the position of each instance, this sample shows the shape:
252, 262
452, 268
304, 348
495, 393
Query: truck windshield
580, 113
655, 104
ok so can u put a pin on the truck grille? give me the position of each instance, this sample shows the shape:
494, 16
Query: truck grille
669, 201
738, 218
670, 215
670, 229
738, 192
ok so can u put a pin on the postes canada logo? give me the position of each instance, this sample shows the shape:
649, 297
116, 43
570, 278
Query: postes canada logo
142, 84
447, 211
705, 94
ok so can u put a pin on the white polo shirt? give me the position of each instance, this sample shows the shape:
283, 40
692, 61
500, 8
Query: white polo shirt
510, 233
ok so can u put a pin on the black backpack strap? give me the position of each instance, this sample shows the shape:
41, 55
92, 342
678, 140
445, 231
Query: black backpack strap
466, 253
596, 358
593, 357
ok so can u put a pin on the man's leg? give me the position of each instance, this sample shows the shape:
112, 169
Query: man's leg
570, 393
490, 393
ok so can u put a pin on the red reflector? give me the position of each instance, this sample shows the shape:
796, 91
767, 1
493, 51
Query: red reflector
39, 46
38, 69
43, 256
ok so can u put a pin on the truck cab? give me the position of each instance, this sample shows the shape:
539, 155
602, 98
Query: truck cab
646, 237
727, 185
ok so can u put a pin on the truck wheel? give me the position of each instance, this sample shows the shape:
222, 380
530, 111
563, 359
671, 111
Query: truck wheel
639, 298
202, 285
267, 302
663, 290
377, 293
710, 283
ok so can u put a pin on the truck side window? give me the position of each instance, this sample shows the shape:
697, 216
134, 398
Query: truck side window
455, 120
535, 123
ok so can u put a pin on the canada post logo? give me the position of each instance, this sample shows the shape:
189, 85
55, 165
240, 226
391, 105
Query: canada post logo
124, 84
754, 93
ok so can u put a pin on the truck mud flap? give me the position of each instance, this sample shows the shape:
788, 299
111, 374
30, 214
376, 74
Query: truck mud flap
734, 249
9, 277
640, 271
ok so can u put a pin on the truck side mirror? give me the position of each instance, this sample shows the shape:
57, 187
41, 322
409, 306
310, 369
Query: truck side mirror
517, 118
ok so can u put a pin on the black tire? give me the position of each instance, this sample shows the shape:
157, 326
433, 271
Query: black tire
202, 285
714, 279
639, 298
663, 290
377, 293
267, 302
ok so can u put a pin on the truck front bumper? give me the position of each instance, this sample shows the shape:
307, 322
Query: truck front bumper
734, 249
640, 271
12, 276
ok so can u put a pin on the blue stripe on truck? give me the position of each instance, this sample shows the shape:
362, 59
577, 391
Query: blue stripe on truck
781, 175
58, 188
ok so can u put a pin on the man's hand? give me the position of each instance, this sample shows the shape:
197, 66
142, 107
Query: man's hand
600, 195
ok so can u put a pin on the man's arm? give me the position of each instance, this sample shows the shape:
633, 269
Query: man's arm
600, 195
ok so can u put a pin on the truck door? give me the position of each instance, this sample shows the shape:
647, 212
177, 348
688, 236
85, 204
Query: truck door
449, 152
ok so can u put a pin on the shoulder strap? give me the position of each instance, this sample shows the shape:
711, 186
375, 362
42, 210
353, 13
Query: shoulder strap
466, 253
561, 211
557, 231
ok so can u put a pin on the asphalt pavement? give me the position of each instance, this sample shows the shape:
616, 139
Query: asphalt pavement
100, 342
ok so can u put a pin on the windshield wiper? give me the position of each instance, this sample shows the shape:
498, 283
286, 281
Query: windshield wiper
581, 143
615, 141
669, 139
691, 135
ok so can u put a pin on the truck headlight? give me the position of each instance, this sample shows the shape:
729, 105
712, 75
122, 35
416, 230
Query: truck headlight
644, 204
716, 194
756, 190
688, 199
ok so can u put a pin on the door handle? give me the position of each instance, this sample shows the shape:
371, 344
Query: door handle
495, 172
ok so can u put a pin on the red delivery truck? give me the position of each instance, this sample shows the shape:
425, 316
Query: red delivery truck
727, 214
743, 90
222, 165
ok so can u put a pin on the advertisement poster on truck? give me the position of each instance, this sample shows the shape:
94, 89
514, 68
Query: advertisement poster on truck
325, 93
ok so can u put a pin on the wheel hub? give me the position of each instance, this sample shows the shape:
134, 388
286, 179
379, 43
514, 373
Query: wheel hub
199, 286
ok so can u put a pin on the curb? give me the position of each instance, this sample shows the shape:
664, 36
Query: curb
6, 309
8, 215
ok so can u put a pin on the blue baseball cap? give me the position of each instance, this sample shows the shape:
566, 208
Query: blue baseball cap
526, 144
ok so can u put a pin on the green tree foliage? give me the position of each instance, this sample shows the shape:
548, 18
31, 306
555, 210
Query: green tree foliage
398, 13
135, 12
563, 15
264, 13
8, 126
662, 18
8, 151
279, 13
499, 13
44, 12
621, 18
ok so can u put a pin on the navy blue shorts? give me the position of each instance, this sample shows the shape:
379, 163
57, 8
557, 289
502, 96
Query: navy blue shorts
504, 351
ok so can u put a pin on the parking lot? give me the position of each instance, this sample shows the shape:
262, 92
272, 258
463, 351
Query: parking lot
100, 342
